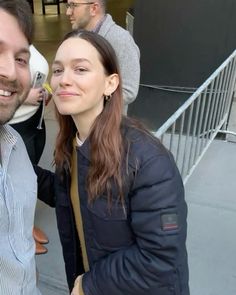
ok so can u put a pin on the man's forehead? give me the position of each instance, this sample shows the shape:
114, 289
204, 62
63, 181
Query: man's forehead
11, 34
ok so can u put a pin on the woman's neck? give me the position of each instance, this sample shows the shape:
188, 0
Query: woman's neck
83, 126
84, 122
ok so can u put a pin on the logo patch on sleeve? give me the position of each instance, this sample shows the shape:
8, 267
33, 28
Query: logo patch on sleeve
169, 221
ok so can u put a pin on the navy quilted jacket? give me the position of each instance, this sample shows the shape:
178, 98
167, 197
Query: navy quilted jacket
137, 251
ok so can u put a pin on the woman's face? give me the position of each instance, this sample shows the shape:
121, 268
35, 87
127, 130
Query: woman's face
78, 80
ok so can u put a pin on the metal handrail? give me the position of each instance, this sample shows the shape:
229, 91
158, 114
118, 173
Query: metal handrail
190, 130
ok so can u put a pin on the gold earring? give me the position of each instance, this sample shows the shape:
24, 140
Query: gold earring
107, 97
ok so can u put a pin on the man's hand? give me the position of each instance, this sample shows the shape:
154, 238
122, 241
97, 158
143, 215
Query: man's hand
35, 96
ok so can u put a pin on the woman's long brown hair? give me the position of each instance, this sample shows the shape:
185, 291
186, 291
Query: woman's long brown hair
106, 149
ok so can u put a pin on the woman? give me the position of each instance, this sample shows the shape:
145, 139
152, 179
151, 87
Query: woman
118, 195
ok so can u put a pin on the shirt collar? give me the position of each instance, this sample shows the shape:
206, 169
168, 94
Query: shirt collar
78, 141
6, 135
7, 139
99, 24
84, 149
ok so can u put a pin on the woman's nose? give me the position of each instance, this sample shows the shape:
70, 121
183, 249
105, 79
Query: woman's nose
65, 78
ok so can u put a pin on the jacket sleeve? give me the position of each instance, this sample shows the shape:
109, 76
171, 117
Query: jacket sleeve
151, 262
46, 185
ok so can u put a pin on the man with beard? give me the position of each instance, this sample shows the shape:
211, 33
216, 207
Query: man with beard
18, 183
91, 15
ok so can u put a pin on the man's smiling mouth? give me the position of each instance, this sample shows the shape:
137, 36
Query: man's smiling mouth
5, 93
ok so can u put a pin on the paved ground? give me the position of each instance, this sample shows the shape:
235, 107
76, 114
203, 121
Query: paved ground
211, 197
210, 193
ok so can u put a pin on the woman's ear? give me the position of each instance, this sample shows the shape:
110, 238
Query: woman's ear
112, 83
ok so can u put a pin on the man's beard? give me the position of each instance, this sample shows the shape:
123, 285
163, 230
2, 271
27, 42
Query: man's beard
7, 111
83, 23
8, 108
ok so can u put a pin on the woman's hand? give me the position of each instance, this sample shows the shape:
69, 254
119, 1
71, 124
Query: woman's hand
77, 290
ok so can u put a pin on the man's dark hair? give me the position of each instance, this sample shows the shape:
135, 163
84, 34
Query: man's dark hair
20, 9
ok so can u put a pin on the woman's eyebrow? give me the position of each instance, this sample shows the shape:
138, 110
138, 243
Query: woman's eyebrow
57, 62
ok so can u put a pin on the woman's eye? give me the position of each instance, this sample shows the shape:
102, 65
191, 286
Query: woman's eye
80, 69
56, 71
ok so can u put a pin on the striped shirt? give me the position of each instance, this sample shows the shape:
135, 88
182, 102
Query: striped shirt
18, 191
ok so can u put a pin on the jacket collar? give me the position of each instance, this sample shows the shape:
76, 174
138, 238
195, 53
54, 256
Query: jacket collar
85, 148
131, 134
106, 25
99, 24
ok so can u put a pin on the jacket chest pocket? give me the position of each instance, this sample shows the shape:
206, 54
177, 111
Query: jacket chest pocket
110, 227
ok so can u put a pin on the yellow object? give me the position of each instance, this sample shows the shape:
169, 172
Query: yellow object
47, 87
75, 200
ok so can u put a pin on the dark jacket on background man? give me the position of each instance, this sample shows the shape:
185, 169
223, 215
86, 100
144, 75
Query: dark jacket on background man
134, 249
